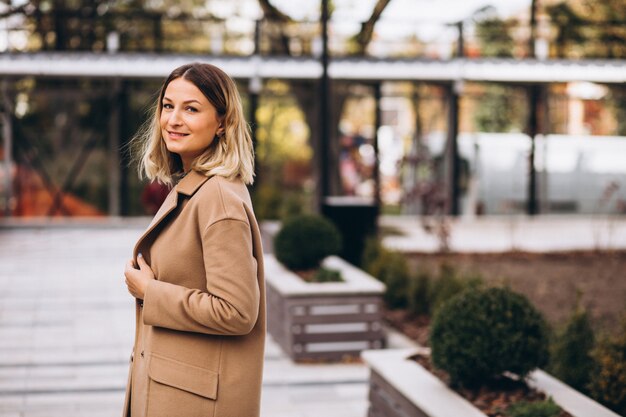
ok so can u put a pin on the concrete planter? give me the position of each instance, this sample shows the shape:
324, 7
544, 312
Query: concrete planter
327, 321
400, 387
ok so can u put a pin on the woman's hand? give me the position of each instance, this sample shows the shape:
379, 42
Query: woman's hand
137, 279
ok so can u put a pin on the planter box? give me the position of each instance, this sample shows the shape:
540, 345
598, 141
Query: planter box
403, 388
327, 321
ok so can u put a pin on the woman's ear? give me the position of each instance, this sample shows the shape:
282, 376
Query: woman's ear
220, 130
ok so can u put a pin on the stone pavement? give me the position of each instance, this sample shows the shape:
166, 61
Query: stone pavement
66, 333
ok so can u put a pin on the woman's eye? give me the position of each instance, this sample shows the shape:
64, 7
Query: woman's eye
167, 106
192, 109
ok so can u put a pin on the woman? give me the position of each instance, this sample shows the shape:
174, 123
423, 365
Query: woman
197, 271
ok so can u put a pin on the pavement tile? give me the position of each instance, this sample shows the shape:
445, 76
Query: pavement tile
66, 330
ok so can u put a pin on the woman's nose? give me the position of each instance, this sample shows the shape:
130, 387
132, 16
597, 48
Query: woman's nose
174, 119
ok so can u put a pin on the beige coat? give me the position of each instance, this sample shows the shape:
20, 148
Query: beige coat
200, 332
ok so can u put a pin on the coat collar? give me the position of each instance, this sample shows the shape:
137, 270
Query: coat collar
190, 183
187, 186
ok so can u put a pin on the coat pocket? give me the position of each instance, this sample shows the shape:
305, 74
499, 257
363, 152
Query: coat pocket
190, 378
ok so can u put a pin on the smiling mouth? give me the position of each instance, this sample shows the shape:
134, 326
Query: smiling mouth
177, 134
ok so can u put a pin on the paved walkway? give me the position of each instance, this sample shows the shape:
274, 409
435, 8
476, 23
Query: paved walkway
66, 330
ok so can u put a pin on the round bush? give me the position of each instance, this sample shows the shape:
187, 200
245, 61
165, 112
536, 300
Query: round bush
305, 240
481, 333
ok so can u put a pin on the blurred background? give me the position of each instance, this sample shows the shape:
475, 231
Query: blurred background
477, 140
420, 106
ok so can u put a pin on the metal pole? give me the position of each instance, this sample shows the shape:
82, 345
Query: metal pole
534, 93
453, 148
460, 47
453, 163
377, 123
534, 96
7, 133
533, 29
324, 186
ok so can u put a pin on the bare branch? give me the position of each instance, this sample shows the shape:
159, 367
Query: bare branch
271, 13
367, 28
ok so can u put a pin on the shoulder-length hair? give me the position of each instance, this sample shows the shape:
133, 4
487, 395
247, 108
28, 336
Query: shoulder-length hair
229, 155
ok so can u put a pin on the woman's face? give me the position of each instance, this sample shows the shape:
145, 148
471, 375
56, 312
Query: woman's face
189, 122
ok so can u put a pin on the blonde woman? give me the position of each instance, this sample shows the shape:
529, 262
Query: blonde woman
197, 271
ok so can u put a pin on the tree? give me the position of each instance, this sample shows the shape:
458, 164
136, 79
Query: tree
593, 29
494, 38
70, 25
589, 28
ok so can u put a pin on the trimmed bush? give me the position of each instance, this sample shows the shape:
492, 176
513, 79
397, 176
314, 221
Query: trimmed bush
608, 381
481, 333
571, 359
305, 240
393, 270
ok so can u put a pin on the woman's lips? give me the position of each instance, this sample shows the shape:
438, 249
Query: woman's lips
177, 134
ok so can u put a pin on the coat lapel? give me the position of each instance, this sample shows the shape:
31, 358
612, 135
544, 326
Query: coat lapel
187, 186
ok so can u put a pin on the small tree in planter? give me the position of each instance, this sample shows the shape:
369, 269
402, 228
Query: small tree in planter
480, 334
303, 242
311, 316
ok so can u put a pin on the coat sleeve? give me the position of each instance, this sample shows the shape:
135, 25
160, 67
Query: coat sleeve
230, 306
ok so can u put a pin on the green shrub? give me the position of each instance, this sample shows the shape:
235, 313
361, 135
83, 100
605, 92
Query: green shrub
608, 381
372, 250
546, 408
571, 359
305, 240
292, 205
418, 298
267, 202
445, 286
481, 333
393, 270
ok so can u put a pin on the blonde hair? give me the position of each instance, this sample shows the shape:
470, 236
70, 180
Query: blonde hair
229, 155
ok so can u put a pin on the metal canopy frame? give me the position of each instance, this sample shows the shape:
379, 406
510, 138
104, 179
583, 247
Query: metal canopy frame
125, 65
